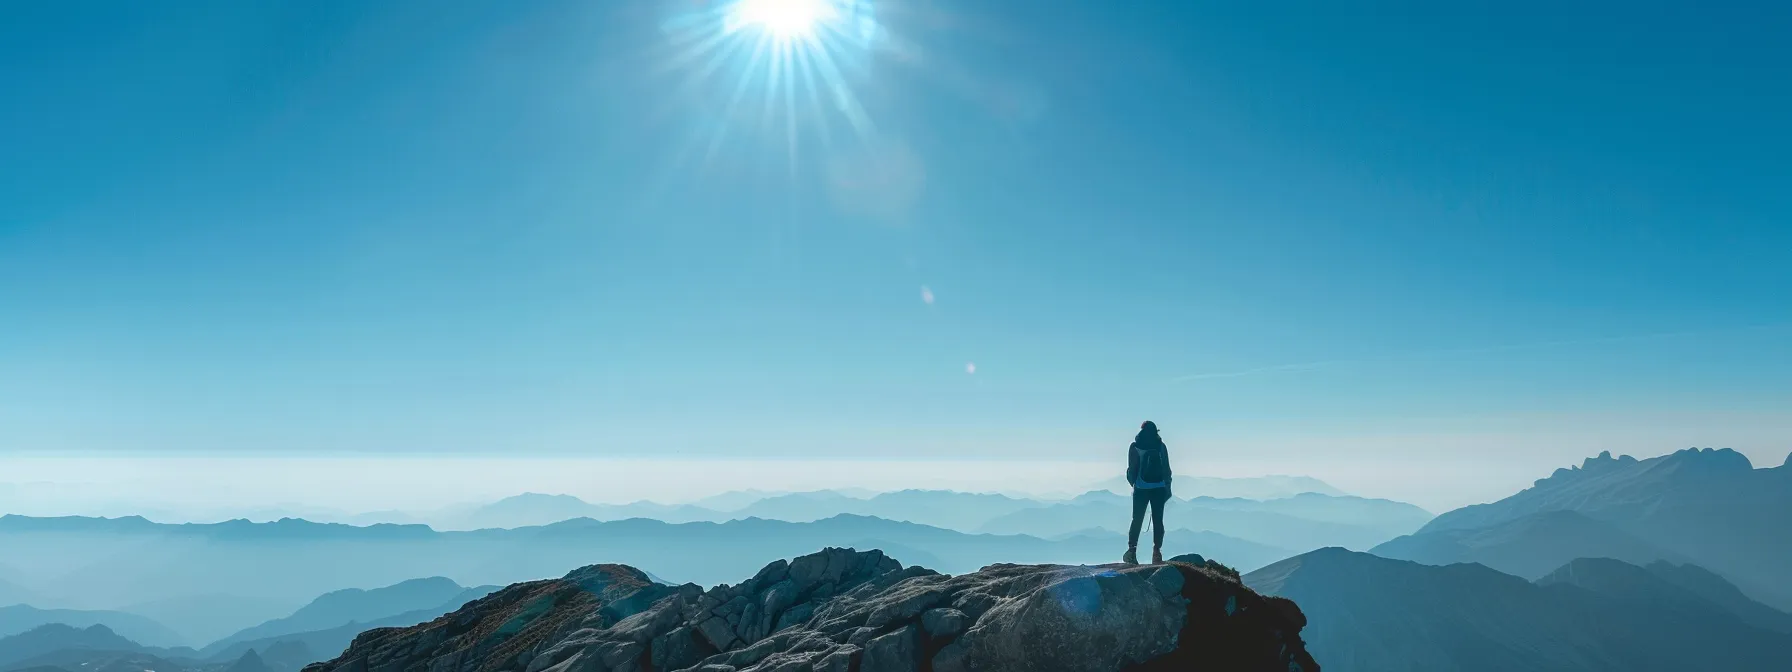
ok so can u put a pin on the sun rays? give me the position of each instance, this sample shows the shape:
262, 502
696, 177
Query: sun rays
796, 61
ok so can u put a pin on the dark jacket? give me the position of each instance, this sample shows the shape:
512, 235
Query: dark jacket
1145, 442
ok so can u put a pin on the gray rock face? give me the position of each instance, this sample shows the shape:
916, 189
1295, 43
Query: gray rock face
899, 651
846, 611
943, 623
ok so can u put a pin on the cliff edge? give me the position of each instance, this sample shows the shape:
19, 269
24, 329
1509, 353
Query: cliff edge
842, 610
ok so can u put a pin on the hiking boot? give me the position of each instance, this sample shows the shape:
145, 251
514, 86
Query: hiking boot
1157, 556
1131, 557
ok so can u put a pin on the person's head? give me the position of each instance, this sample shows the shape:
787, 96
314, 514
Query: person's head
1147, 432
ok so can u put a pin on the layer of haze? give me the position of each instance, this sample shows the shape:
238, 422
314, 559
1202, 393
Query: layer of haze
1430, 258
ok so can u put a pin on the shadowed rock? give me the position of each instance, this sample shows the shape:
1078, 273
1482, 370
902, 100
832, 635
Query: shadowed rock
846, 611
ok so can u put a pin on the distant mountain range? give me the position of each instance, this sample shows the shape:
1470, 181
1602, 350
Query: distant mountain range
1529, 547
1252, 487
13, 593
929, 507
1675, 562
131, 560
19, 618
91, 660
1708, 507
939, 508
1301, 523
317, 631
433, 596
290, 650
202, 617
22, 648
1367, 613
207, 581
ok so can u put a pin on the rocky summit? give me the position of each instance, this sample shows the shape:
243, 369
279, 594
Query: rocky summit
842, 610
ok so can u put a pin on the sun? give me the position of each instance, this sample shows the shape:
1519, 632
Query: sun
785, 19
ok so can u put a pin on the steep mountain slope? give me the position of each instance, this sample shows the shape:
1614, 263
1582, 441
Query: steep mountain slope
840, 610
353, 605
1710, 586
1529, 547
1641, 589
1710, 506
1371, 613
20, 618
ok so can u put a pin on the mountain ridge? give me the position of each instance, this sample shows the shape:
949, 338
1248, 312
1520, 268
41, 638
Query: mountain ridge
1371, 613
1709, 506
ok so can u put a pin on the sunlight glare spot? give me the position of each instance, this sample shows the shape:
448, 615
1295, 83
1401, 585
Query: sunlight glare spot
784, 19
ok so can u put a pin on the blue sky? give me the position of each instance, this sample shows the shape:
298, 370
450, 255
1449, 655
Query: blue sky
1301, 231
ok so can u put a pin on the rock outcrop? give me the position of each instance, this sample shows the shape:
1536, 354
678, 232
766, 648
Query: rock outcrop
847, 611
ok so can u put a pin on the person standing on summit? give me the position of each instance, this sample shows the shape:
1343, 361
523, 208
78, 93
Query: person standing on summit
1148, 472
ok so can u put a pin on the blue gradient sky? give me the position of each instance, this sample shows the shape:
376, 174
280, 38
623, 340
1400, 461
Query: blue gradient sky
1300, 232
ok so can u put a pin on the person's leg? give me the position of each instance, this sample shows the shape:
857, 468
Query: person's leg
1159, 497
1140, 498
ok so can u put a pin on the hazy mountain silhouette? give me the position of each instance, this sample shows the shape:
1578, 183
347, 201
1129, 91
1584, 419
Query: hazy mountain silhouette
1301, 523
1257, 487
1382, 514
1714, 588
290, 651
734, 500
353, 605
49, 639
530, 509
13, 593
1710, 506
88, 660
947, 509
1366, 612
249, 662
288, 656
204, 615
20, 618
1529, 547
294, 561
1682, 589
799, 507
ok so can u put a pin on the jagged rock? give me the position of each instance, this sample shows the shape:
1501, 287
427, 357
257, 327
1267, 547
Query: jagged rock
841, 659
1210, 566
845, 611
943, 623
899, 651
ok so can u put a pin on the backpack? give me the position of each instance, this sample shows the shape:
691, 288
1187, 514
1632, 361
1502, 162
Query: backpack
1154, 464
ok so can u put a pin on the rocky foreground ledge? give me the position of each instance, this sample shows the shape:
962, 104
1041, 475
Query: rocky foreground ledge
847, 611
